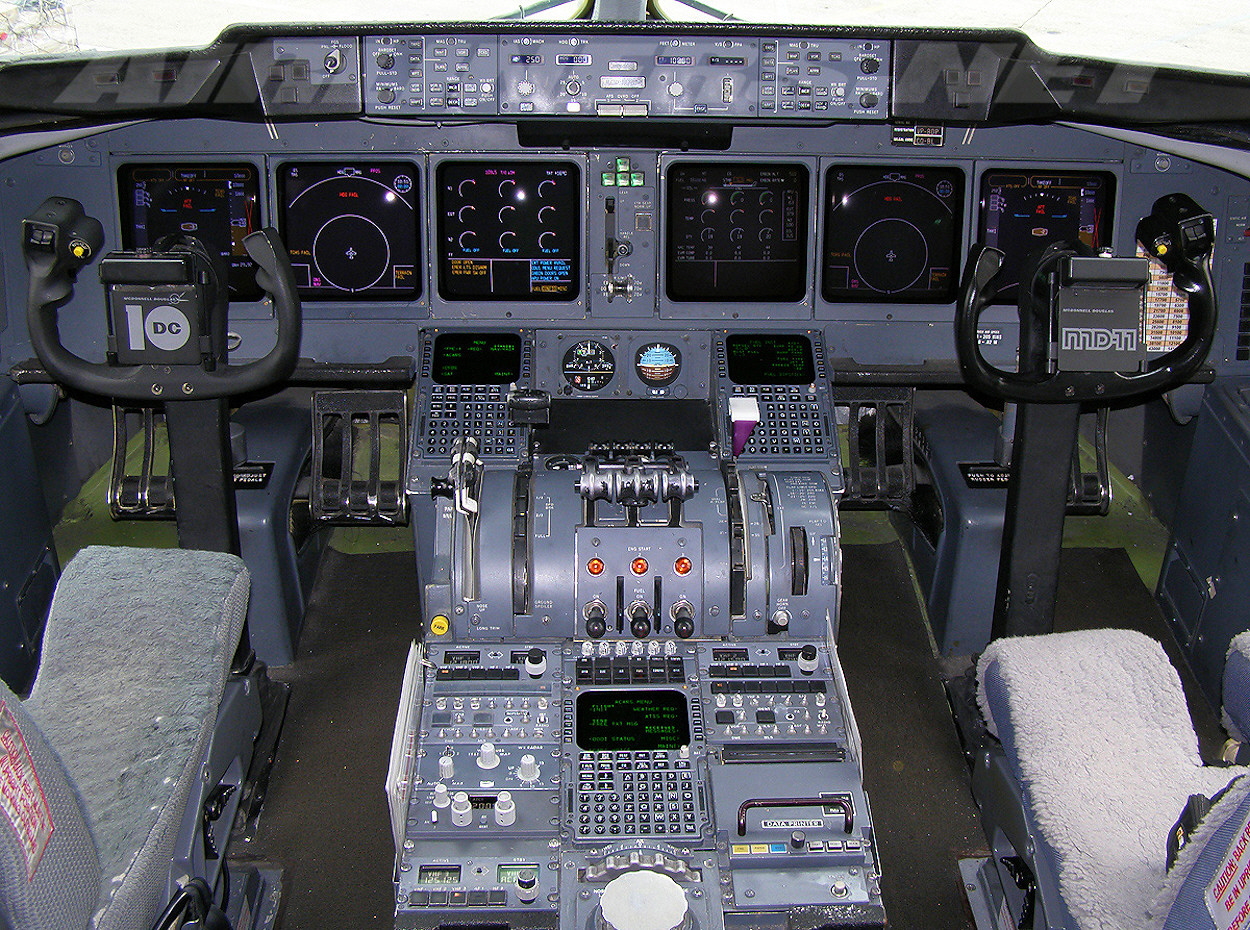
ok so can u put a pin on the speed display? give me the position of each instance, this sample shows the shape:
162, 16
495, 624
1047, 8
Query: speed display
215, 204
351, 229
1024, 211
509, 230
737, 231
892, 234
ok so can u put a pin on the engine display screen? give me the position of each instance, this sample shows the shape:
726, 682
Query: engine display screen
477, 358
215, 204
638, 720
351, 229
1025, 211
892, 234
770, 358
509, 230
737, 231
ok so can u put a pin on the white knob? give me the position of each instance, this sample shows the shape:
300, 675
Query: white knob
643, 899
461, 809
528, 769
446, 768
487, 758
441, 796
505, 809
675, 89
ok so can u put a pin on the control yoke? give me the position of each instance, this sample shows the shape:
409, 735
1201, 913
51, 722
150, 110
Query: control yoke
167, 312
1080, 314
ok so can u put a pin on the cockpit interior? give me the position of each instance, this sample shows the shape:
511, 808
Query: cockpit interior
623, 475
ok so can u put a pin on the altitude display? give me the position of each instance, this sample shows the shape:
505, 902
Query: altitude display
632, 720
892, 233
1022, 212
769, 359
737, 231
477, 358
215, 204
509, 230
351, 229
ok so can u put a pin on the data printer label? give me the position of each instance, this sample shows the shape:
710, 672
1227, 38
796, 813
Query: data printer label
792, 824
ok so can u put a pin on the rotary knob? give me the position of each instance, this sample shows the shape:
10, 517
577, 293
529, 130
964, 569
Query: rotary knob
386, 60
675, 89
446, 768
536, 662
461, 809
386, 95
808, 659
643, 900
505, 809
442, 797
528, 769
487, 758
527, 886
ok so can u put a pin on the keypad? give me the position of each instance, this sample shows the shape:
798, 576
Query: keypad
480, 411
791, 421
628, 794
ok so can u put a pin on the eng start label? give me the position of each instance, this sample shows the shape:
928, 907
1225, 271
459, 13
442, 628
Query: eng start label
792, 824
21, 796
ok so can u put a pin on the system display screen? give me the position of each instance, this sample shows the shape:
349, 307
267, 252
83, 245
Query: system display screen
215, 204
351, 229
737, 231
477, 358
509, 230
1025, 211
632, 720
892, 233
770, 359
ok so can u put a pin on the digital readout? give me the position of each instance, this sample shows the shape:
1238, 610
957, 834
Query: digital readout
1022, 212
892, 233
215, 204
509, 230
632, 720
737, 231
476, 358
770, 358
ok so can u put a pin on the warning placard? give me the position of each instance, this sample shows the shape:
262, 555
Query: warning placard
1228, 893
21, 796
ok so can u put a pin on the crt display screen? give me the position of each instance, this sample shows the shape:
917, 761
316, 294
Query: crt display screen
892, 234
770, 359
477, 358
351, 229
737, 231
215, 204
632, 720
1025, 211
509, 230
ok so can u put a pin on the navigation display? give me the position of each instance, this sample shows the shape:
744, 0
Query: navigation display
351, 229
770, 359
215, 204
892, 234
737, 231
1024, 211
477, 358
509, 230
632, 720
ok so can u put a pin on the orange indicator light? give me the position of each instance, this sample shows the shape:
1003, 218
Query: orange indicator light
595, 566
638, 566
682, 566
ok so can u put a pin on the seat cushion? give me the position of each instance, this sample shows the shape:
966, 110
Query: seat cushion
1096, 729
135, 658
49, 870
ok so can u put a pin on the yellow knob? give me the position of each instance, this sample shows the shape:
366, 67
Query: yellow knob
440, 625
79, 248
